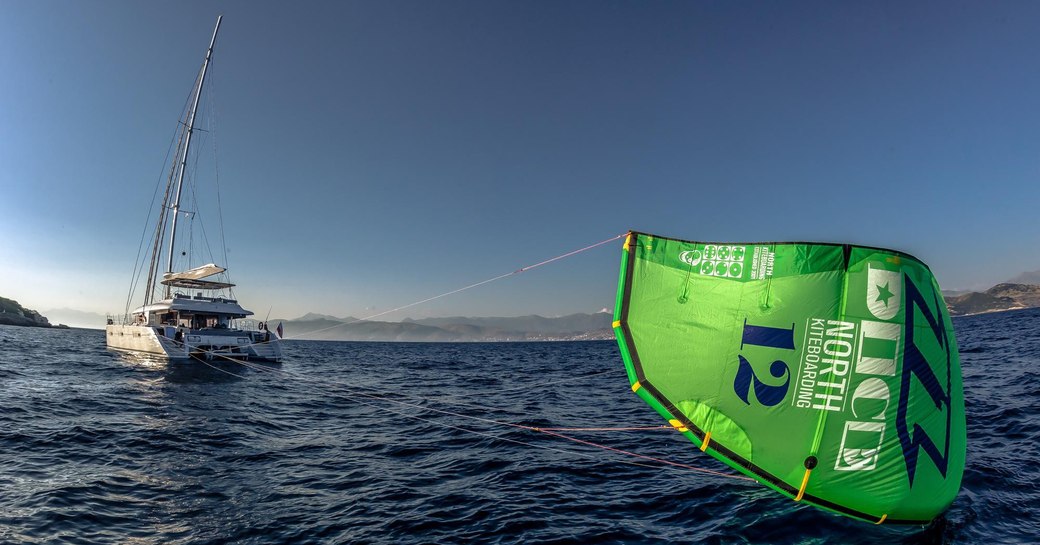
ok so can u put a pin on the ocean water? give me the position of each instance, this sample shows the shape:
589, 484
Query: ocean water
376, 443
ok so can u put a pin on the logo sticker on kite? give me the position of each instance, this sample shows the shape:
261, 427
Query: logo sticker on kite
716, 260
884, 293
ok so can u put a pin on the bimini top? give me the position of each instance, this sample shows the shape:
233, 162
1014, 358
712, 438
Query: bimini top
192, 278
828, 372
198, 305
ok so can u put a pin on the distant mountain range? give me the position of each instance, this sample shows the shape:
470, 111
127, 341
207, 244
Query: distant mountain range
1022, 291
455, 329
76, 318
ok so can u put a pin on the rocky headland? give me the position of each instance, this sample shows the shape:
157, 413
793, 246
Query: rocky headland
1006, 296
12, 313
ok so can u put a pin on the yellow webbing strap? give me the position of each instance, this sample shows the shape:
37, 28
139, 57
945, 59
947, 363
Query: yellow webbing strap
636, 386
704, 443
628, 241
805, 482
883, 517
617, 323
678, 425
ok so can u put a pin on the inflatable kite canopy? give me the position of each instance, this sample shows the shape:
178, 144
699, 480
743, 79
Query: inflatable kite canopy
828, 372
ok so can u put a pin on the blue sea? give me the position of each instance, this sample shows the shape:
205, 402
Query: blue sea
410, 443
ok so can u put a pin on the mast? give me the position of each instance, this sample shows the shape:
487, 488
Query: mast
184, 156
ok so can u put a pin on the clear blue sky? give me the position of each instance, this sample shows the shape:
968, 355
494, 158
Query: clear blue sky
372, 154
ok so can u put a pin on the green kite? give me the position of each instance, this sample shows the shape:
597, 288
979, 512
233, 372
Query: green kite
828, 372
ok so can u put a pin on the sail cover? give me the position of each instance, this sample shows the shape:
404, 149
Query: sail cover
827, 372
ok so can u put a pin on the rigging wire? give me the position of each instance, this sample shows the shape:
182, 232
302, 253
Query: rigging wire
160, 228
214, 121
197, 208
158, 183
138, 260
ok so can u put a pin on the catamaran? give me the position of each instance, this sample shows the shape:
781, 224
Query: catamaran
191, 313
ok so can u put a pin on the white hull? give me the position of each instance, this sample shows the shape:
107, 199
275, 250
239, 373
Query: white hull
161, 341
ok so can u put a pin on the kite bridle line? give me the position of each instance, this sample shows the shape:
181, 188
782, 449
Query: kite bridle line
469, 287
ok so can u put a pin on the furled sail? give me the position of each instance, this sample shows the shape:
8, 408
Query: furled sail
827, 372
